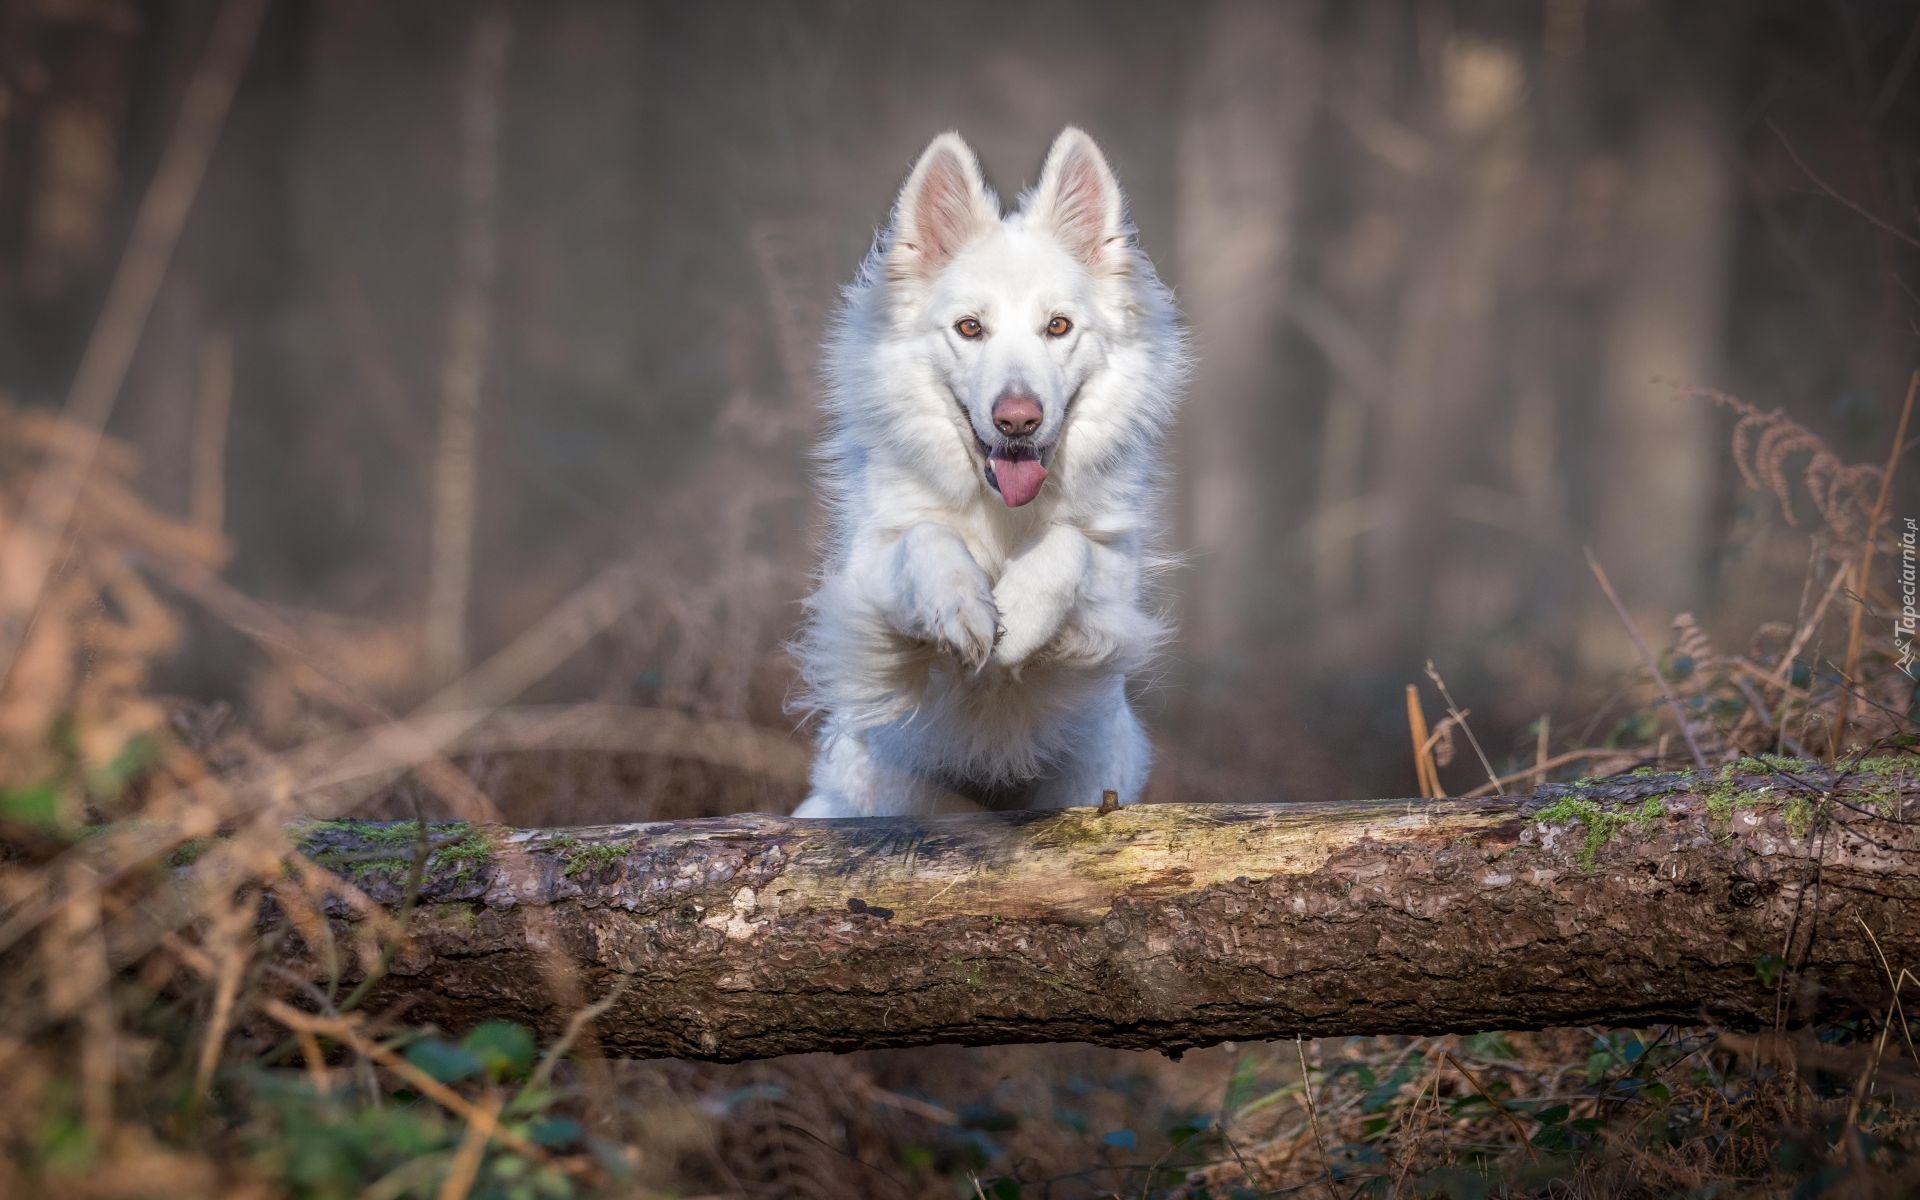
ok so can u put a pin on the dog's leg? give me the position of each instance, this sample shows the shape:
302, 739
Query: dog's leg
1104, 626
1037, 590
926, 585
850, 780
1110, 753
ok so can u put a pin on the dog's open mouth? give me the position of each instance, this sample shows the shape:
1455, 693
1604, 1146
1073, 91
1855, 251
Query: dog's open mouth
1016, 470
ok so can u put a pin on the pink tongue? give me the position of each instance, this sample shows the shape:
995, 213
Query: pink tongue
1019, 478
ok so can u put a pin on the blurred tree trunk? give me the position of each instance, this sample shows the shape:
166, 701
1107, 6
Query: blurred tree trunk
1240, 155
1350, 320
1441, 375
1255, 89
1169, 926
1655, 461
69, 90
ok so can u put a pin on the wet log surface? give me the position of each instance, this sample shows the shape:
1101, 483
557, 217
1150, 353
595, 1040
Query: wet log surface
1779, 891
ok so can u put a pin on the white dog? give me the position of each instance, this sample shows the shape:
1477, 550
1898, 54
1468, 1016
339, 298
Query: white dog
999, 391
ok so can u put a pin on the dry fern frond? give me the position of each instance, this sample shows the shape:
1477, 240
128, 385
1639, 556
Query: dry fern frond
1692, 641
803, 1130
1763, 442
1441, 742
96, 628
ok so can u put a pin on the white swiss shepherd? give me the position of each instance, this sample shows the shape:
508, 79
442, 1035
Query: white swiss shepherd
999, 391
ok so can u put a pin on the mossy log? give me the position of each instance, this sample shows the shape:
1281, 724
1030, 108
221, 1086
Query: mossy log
1773, 891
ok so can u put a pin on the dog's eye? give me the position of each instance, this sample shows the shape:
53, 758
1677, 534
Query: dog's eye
1058, 327
968, 328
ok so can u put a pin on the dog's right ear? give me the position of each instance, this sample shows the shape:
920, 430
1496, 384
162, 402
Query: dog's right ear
944, 206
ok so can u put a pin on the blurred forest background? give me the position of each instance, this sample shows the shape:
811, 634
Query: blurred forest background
457, 361
477, 299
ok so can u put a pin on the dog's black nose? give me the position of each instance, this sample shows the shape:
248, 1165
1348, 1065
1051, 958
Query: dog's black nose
1016, 414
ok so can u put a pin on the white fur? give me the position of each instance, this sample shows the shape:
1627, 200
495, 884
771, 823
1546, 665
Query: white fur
962, 650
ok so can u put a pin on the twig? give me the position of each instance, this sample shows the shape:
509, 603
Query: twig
1539, 768
1646, 655
1539, 753
230, 928
1432, 1084
1896, 983
576, 1025
1498, 1107
1862, 577
1828, 188
1460, 718
1423, 768
1313, 1113
472, 1151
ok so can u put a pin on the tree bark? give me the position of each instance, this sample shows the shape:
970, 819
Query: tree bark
1742, 898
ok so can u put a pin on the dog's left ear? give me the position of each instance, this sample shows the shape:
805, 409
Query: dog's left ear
1079, 200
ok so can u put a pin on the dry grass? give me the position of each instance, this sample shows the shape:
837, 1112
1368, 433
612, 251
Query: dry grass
148, 1030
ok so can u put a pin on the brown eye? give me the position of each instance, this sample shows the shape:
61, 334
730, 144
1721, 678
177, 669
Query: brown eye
968, 328
1058, 327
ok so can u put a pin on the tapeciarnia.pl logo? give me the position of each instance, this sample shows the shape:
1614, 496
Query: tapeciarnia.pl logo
1904, 624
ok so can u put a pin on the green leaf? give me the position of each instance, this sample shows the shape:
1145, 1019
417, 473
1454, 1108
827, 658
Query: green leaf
504, 1050
111, 778
1454, 1183
554, 1132
65, 1145
442, 1061
1553, 1138
530, 1102
1489, 1045
38, 806
1384, 1093
1460, 1104
1553, 1115
1242, 1083
1768, 967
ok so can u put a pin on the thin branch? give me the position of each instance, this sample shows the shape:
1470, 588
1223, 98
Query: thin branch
1646, 655
1422, 750
1459, 716
1503, 1110
1313, 1114
1828, 188
1540, 768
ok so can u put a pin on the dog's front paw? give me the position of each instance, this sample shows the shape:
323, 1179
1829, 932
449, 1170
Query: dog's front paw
1028, 621
1021, 635
960, 620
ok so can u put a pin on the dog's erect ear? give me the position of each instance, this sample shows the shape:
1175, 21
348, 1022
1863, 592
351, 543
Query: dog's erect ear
1079, 200
944, 206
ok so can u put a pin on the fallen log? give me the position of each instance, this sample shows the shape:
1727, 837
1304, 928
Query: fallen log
1776, 891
